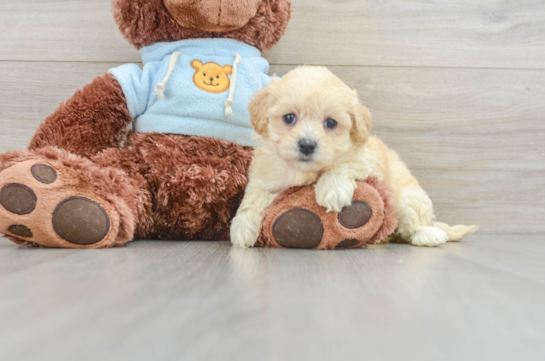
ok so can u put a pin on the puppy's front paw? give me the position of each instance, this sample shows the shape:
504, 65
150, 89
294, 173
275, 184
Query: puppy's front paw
333, 193
429, 237
243, 233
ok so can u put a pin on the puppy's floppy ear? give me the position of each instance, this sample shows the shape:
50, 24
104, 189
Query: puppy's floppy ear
361, 124
260, 104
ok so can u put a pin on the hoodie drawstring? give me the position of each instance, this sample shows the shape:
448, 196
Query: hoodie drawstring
229, 101
160, 90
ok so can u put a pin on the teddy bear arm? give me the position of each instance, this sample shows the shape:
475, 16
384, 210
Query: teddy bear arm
94, 119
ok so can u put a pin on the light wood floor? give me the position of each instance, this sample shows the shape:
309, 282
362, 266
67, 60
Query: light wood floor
482, 299
457, 87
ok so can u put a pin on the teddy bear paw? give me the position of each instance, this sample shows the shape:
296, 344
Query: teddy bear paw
44, 203
296, 220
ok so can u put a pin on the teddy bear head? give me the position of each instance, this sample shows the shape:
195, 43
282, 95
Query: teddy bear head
260, 23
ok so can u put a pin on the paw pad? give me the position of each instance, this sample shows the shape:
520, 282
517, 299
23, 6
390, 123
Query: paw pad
347, 243
355, 215
18, 198
44, 173
298, 228
20, 230
81, 221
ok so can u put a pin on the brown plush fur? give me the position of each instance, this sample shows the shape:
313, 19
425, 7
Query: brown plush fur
94, 119
212, 15
144, 22
194, 182
373, 191
389, 223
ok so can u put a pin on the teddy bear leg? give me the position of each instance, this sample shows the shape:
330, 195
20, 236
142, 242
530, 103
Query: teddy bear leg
295, 220
53, 198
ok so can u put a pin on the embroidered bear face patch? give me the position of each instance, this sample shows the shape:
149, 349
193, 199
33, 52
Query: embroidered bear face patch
211, 77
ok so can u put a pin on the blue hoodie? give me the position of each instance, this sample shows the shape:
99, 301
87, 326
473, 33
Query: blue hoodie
196, 87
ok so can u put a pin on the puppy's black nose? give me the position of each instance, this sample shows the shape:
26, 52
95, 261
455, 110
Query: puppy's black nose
211, 79
307, 146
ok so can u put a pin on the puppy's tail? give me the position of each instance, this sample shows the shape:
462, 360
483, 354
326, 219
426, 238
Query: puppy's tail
455, 233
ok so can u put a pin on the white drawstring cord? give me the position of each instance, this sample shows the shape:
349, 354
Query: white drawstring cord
229, 101
160, 90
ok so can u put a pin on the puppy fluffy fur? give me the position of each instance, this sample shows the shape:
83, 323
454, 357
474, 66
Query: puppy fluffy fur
338, 156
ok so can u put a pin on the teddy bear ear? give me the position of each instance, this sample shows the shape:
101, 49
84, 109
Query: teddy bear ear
227, 69
196, 64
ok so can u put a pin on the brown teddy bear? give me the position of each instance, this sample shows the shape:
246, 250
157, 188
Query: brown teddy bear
85, 181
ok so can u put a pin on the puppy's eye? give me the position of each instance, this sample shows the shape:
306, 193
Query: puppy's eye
218, 77
330, 123
290, 119
203, 74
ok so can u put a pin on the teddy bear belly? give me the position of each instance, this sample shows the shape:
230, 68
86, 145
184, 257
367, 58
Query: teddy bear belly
196, 184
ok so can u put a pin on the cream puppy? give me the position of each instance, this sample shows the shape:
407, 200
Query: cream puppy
312, 129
